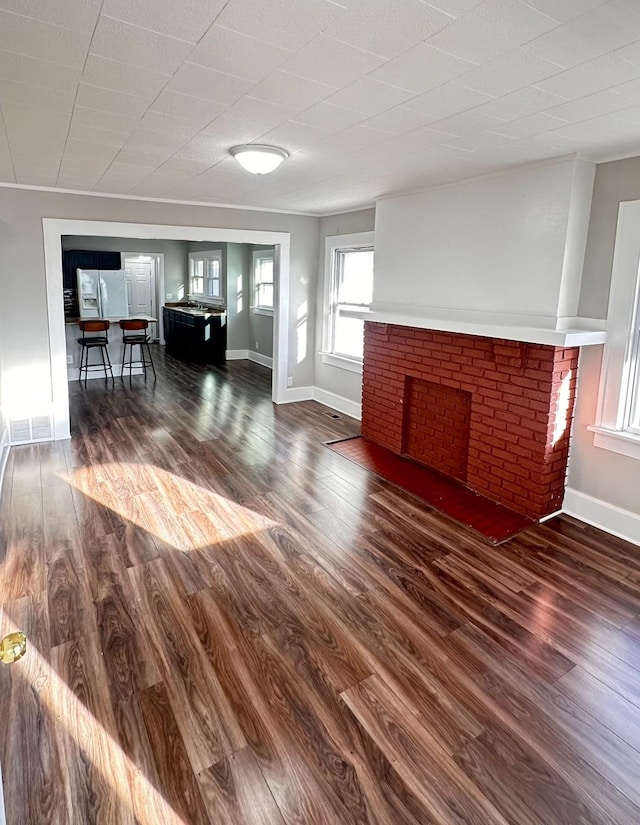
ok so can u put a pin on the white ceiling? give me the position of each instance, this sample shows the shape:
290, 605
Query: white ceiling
369, 96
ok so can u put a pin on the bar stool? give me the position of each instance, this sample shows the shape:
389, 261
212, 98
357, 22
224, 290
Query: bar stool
98, 338
134, 331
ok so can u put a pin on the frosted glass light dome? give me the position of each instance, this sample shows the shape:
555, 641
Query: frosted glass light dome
258, 158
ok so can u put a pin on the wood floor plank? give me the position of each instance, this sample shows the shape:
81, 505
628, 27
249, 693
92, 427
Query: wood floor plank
587, 755
234, 791
562, 581
334, 557
30, 727
520, 784
25, 473
129, 661
386, 797
439, 783
604, 703
202, 710
164, 787
97, 779
609, 660
542, 658
408, 665
71, 613
24, 564
300, 787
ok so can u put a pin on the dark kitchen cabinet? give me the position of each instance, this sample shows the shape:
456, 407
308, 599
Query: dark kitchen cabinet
196, 338
74, 259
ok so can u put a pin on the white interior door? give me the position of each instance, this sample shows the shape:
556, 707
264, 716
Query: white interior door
140, 279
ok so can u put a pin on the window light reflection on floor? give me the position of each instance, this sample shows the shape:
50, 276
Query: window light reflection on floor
168, 510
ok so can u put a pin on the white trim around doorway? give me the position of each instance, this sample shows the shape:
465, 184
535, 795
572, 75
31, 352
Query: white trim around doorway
54, 228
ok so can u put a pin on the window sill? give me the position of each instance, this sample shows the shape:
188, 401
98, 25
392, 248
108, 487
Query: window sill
262, 311
617, 441
343, 363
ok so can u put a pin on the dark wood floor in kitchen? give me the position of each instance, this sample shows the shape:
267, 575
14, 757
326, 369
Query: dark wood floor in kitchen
229, 623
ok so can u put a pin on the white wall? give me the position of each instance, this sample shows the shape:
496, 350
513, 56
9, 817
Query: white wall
512, 243
237, 296
614, 182
4, 454
24, 335
593, 471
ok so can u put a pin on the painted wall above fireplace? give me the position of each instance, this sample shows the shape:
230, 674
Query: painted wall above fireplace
499, 256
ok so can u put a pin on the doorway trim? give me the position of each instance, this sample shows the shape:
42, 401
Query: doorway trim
54, 228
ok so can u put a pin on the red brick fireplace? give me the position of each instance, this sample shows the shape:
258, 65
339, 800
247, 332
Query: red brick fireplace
493, 413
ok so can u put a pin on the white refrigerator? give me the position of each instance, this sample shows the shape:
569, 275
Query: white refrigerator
102, 293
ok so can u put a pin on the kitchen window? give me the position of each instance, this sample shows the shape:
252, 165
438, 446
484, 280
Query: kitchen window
263, 273
617, 425
205, 274
348, 286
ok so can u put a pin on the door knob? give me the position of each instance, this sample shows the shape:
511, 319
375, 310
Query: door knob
13, 647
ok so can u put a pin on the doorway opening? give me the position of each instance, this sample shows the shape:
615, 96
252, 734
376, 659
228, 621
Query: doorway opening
141, 272
55, 229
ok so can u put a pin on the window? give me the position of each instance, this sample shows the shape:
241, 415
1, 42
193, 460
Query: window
618, 415
205, 274
348, 286
632, 417
263, 272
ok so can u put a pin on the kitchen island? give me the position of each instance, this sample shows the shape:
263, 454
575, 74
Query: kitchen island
194, 334
114, 347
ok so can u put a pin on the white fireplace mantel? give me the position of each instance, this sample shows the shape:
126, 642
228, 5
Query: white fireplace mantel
575, 332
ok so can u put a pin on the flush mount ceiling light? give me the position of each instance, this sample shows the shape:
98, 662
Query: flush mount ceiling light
258, 158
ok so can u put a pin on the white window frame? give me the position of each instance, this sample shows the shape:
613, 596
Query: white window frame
257, 255
206, 256
620, 372
333, 245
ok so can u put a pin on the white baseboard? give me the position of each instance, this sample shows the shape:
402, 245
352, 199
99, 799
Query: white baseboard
5, 446
598, 513
259, 358
337, 402
293, 394
249, 355
329, 399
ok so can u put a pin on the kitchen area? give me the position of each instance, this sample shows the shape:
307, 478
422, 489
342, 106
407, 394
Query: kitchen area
205, 302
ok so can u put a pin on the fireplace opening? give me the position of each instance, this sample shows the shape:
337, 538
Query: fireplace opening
436, 426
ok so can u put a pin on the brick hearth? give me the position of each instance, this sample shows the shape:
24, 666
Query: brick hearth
493, 413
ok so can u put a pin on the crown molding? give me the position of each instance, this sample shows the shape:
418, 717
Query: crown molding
371, 205
114, 196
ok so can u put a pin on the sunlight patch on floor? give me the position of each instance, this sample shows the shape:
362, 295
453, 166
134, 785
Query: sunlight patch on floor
169, 507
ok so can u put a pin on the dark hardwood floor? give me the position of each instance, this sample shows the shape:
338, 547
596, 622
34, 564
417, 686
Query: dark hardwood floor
230, 624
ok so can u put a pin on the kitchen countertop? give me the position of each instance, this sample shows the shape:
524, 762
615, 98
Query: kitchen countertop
112, 321
198, 311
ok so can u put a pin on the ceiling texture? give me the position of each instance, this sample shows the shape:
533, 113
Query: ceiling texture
370, 97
